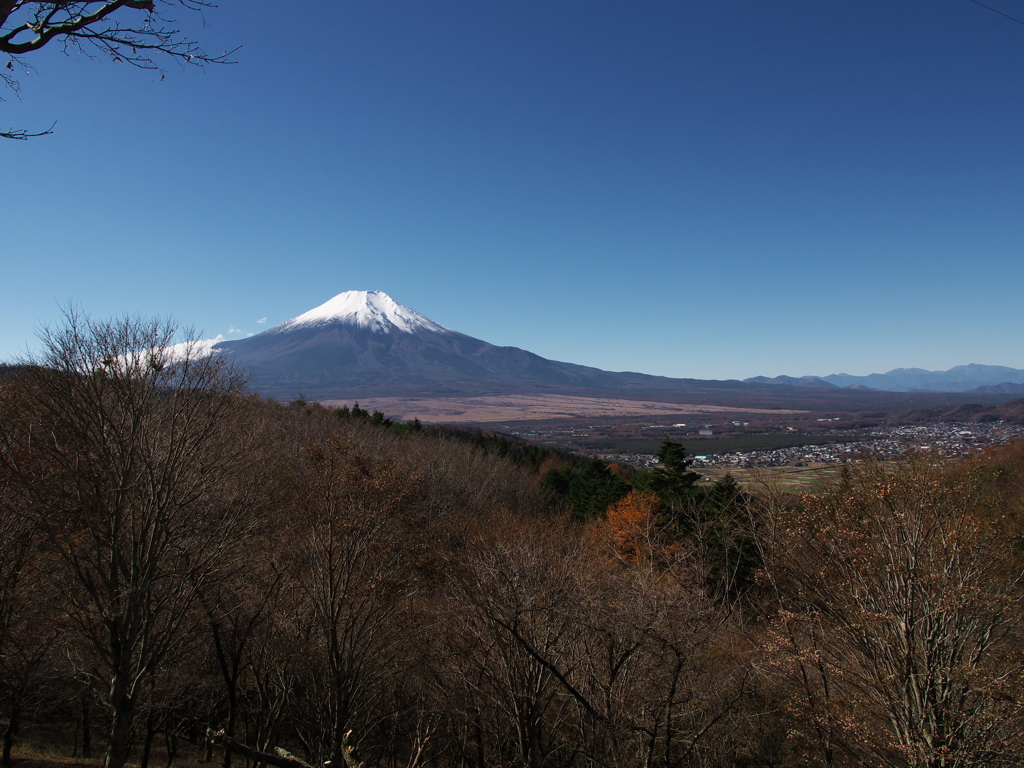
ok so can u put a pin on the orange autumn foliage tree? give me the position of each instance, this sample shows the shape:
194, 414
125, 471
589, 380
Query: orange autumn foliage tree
631, 526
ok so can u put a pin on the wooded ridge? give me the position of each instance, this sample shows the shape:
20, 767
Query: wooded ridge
184, 562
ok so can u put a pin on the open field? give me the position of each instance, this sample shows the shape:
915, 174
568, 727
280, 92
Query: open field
806, 479
505, 408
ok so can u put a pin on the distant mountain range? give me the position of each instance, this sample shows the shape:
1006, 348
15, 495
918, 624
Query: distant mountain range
363, 344
980, 379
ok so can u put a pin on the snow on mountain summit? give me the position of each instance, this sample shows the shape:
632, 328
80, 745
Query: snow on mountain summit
374, 310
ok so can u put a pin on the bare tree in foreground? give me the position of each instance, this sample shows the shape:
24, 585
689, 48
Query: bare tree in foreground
121, 463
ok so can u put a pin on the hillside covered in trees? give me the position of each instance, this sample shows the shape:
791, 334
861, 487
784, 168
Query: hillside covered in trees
185, 566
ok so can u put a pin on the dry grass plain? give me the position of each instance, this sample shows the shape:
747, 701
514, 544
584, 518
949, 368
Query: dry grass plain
492, 408
810, 478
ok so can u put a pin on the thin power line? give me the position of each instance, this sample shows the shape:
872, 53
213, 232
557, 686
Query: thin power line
996, 10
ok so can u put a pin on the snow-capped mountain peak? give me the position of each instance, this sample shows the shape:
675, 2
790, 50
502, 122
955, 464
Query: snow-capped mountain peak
373, 310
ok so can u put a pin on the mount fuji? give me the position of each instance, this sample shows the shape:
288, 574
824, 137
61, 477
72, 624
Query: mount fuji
363, 343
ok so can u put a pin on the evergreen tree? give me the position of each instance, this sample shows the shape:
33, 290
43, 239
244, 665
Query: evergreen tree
588, 491
675, 464
672, 481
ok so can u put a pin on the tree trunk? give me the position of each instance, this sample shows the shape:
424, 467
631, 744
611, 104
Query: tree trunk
147, 745
74, 738
120, 726
86, 728
9, 734
172, 747
232, 716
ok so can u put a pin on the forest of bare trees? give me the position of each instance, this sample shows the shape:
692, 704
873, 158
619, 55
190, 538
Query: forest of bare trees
191, 572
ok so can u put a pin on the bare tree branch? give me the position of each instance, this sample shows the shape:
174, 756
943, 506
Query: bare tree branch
136, 32
282, 758
279, 758
22, 135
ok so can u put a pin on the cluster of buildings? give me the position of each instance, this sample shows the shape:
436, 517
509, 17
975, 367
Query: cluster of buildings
948, 439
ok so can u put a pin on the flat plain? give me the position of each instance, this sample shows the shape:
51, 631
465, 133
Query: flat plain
495, 408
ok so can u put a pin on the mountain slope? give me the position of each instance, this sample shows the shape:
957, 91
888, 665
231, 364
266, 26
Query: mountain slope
366, 341
365, 344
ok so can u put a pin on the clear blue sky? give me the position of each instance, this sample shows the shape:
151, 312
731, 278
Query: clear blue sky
713, 190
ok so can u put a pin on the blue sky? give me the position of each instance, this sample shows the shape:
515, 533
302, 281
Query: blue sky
708, 190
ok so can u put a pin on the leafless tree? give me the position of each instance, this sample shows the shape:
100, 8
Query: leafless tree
244, 613
353, 578
26, 629
121, 464
105, 28
582, 659
898, 633
518, 627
